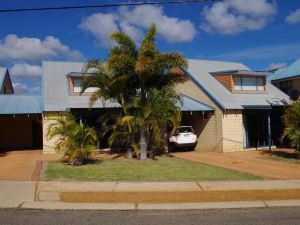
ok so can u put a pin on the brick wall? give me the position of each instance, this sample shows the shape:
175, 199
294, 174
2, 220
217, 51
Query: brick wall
232, 125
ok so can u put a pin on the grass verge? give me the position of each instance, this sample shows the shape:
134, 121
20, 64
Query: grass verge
121, 169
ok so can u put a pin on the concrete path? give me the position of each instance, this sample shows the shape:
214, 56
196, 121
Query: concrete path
19, 165
46, 195
16, 193
252, 162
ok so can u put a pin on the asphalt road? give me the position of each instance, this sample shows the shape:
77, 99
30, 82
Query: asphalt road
265, 216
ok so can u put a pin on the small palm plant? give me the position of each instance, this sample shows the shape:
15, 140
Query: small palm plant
292, 124
75, 140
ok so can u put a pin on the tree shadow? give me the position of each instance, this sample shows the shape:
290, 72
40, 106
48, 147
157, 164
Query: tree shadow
283, 153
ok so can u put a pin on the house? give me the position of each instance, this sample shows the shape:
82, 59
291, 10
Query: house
5, 82
247, 108
287, 79
230, 107
20, 117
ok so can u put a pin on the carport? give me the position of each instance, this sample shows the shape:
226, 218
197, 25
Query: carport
195, 113
20, 122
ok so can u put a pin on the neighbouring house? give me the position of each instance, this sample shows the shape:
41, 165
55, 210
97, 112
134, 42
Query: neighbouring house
287, 79
5, 82
230, 107
20, 117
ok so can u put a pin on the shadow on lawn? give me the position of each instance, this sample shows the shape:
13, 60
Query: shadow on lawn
283, 153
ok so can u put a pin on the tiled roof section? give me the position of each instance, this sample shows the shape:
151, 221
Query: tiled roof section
200, 72
18, 104
290, 71
55, 88
190, 104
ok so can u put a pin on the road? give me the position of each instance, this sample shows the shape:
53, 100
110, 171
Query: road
265, 216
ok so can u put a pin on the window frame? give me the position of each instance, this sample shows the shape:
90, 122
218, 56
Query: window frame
71, 86
257, 78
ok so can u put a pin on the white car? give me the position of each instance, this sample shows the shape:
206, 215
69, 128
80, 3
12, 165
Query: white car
184, 137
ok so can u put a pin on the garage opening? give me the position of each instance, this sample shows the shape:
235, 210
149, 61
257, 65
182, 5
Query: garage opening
20, 132
256, 127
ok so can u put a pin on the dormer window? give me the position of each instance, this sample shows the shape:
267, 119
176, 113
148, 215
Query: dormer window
75, 86
247, 83
242, 81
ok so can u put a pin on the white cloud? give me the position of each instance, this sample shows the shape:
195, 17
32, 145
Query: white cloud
21, 88
278, 65
101, 25
236, 16
171, 29
25, 70
21, 49
133, 31
134, 22
293, 17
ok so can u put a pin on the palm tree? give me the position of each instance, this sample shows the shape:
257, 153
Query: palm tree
292, 124
75, 140
133, 73
155, 117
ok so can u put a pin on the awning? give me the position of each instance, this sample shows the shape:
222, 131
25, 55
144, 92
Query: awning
191, 104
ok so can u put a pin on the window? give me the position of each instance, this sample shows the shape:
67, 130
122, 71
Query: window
247, 83
77, 87
238, 83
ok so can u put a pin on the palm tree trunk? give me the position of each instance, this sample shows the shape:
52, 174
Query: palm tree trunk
143, 144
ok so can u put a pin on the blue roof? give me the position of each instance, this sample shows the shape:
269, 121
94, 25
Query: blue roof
290, 71
18, 104
190, 104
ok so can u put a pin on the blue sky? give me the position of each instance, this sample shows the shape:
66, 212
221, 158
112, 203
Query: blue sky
259, 33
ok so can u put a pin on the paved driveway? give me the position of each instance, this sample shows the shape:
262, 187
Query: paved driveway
252, 162
19, 165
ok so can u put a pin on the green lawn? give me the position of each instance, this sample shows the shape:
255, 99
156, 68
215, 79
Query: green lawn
163, 169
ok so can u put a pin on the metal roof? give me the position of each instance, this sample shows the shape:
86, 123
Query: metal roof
200, 73
190, 104
18, 104
240, 72
290, 71
55, 87
56, 96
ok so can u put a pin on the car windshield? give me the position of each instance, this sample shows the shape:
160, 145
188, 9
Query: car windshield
184, 129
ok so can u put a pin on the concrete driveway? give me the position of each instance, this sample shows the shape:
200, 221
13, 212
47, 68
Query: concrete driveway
20, 165
252, 162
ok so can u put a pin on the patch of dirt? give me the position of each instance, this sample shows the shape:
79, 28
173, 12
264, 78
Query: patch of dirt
179, 197
253, 162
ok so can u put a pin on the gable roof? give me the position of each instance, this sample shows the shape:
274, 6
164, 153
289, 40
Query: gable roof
2, 75
55, 87
200, 73
18, 104
290, 71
